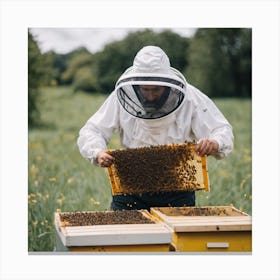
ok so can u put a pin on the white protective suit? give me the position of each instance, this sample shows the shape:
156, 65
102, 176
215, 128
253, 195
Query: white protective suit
184, 115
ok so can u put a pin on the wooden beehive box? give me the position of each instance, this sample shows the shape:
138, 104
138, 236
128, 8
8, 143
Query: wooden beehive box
208, 228
127, 230
161, 168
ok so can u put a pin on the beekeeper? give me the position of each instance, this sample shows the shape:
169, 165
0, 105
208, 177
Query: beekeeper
153, 104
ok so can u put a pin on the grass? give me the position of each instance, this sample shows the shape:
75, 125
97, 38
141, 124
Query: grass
59, 178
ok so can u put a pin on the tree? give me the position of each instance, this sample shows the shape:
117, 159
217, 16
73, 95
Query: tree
118, 56
220, 61
35, 76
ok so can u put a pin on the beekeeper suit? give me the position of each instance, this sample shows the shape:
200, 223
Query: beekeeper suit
152, 104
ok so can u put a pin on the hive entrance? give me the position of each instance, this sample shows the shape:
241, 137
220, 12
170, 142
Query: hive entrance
158, 169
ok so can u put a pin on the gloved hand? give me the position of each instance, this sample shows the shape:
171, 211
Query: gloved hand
207, 147
103, 159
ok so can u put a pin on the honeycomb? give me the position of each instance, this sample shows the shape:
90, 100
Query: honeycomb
201, 211
93, 218
155, 169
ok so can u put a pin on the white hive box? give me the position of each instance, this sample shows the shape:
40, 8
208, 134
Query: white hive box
114, 237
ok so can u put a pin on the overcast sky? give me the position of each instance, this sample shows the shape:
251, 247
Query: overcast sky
64, 40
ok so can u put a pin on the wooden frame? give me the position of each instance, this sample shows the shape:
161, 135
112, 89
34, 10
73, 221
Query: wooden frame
238, 221
199, 162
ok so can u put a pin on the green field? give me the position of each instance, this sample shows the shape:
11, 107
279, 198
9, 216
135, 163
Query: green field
59, 178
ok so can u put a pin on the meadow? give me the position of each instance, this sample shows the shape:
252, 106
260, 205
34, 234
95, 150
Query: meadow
59, 178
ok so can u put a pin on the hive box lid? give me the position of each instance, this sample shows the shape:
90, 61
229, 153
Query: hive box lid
162, 168
206, 218
113, 234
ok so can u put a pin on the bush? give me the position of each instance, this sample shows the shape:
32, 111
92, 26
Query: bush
84, 80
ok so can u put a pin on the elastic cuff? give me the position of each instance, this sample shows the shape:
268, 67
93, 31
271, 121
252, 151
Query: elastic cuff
94, 154
219, 154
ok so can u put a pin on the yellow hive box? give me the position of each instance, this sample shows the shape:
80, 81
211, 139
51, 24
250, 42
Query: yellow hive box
208, 228
75, 231
159, 168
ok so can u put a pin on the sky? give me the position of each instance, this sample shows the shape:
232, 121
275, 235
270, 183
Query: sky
64, 40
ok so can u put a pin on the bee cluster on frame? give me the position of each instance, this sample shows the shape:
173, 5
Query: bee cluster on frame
158, 168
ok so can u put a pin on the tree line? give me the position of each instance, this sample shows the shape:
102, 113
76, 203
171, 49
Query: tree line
216, 60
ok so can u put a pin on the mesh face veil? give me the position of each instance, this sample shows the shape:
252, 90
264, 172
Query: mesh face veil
151, 89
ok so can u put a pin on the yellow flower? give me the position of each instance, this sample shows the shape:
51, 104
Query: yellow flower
59, 201
33, 171
94, 202
70, 180
246, 159
248, 176
52, 179
38, 158
36, 146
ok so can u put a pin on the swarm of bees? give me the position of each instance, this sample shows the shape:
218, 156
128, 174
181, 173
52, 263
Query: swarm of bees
103, 218
158, 168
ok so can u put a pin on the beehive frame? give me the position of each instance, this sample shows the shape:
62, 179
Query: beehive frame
188, 172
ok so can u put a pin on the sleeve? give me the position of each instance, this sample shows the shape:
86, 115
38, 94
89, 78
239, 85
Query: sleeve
209, 122
96, 133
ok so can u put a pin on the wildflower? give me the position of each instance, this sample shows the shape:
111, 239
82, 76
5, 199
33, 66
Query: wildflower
241, 186
36, 146
59, 201
33, 171
94, 202
52, 179
246, 159
38, 158
70, 180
